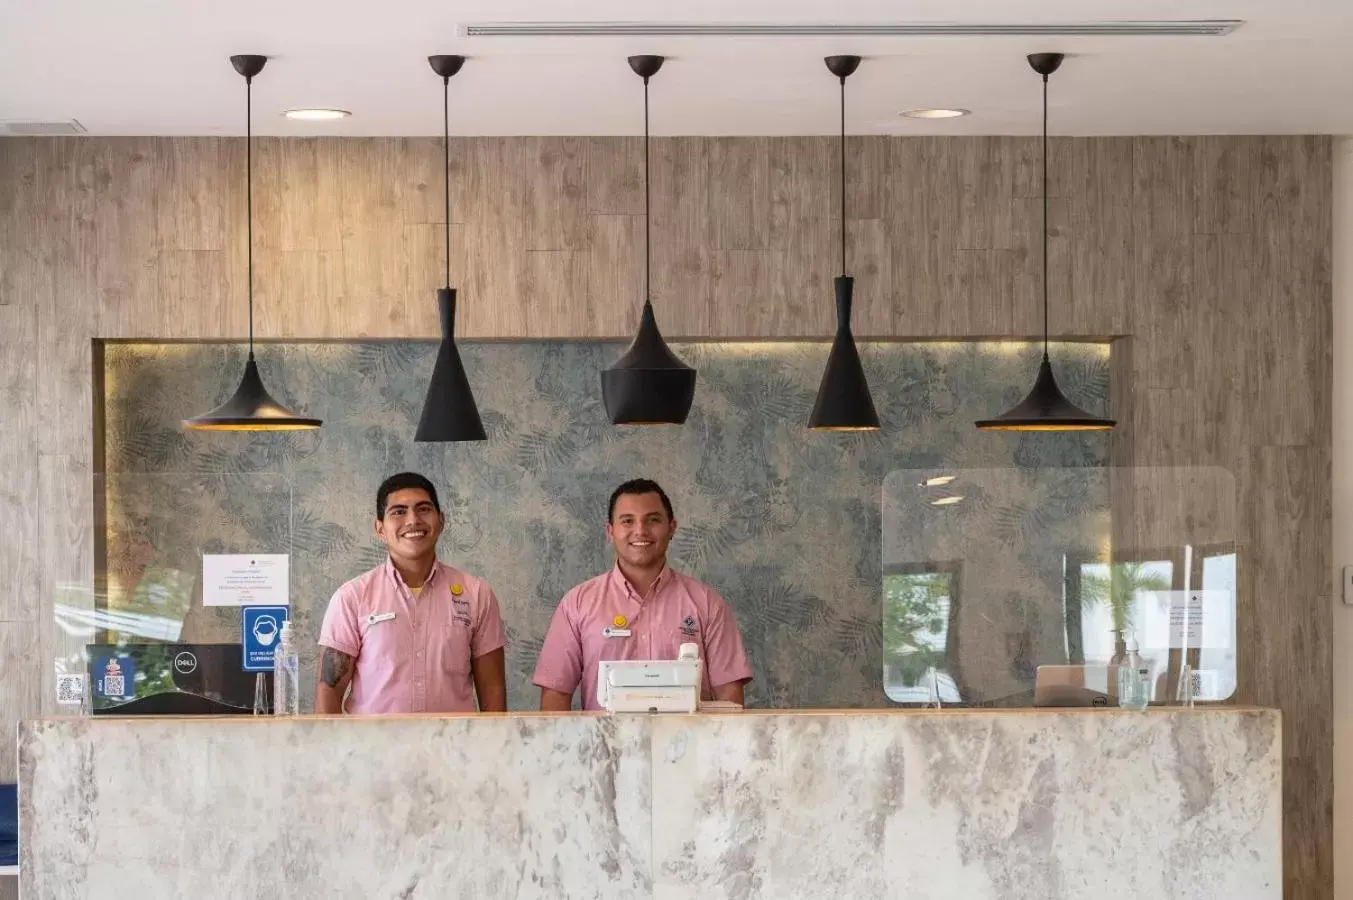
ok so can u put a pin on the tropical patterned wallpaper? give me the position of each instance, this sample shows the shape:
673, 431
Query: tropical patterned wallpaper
785, 522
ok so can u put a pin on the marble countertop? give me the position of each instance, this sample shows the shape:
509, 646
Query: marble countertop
578, 714
1054, 804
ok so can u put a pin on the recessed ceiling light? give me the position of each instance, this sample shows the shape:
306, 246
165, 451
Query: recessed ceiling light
946, 501
935, 113
316, 115
938, 480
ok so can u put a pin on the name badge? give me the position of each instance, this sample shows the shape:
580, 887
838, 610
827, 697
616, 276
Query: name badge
612, 632
374, 618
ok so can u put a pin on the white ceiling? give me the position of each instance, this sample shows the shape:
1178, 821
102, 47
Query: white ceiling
139, 67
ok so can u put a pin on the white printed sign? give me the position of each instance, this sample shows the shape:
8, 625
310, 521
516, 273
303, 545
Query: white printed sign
1186, 619
1194, 619
260, 579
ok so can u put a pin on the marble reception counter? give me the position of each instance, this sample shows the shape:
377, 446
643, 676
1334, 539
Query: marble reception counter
1179, 803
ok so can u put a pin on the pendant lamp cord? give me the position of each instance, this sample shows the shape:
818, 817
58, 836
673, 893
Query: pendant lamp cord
1045, 217
249, 195
446, 169
648, 216
843, 176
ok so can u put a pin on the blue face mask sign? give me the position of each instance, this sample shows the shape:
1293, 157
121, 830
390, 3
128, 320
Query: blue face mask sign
260, 633
115, 678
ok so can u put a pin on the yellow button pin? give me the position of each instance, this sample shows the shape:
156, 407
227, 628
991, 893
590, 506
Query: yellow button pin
620, 621
457, 590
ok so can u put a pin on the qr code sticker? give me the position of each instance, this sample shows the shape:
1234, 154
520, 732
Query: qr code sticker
70, 689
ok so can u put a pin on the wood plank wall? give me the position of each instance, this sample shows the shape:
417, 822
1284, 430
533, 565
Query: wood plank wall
1209, 256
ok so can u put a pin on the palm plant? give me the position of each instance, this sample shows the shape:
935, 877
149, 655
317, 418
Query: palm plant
1116, 588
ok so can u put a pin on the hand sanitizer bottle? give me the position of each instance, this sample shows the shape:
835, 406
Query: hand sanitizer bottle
1134, 679
286, 676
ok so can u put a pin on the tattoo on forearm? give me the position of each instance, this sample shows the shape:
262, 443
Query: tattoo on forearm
334, 666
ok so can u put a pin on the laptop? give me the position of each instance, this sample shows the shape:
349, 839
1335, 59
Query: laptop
162, 679
1075, 686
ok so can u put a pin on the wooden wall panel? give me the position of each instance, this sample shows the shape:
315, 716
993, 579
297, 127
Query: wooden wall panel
19, 564
66, 575
19, 689
1208, 258
805, 229
1097, 186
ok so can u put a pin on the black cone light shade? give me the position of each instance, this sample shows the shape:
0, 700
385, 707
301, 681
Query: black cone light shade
449, 413
1045, 408
449, 410
648, 385
251, 407
843, 400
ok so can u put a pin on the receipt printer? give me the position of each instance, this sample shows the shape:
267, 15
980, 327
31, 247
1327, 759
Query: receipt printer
642, 685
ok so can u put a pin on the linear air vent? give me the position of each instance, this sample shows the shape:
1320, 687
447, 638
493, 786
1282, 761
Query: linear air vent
1184, 28
40, 129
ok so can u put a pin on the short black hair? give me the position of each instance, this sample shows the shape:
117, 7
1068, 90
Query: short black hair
401, 482
639, 486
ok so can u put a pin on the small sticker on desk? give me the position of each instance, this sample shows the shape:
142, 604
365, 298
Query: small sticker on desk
70, 690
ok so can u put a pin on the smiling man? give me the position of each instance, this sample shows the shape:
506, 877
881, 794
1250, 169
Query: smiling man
413, 635
640, 609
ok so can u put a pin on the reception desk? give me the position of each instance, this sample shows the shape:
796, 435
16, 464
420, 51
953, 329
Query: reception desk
1040, 804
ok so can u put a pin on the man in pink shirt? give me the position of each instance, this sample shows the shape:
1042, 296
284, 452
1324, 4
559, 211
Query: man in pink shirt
413, 633
640, 609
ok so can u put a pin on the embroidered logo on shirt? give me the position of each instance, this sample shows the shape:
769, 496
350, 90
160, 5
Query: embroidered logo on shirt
620, 621
460, 610
688, 626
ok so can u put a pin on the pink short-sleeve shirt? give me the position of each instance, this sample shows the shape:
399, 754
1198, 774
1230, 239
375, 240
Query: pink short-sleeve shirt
413, 653
679, 610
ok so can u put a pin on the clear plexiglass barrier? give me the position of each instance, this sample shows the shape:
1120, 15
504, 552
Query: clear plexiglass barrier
1033, 587
155, 627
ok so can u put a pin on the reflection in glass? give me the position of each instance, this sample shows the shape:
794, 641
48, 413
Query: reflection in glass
1149, 600
1214, 664
1043, 574
919, 604
1111, 599
1117, 605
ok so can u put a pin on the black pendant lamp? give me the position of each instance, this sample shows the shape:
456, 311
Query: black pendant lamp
449, 412
251, 408
1046, 408
648, 385
843, 401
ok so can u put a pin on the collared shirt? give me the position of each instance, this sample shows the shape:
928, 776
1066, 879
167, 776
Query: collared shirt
413, 653
678, 610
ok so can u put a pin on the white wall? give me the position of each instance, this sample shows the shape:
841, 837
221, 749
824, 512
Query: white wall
1343, 516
